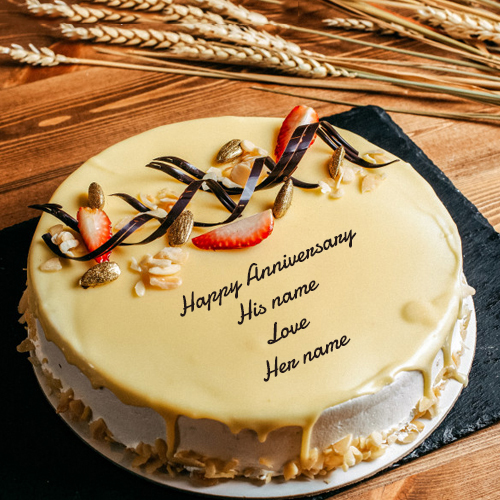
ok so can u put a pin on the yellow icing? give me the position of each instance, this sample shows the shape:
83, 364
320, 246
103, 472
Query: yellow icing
390, 300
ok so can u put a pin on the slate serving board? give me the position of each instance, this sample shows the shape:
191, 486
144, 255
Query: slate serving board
42, 458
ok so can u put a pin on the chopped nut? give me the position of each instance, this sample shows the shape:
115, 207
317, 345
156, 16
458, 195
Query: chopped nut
240, 173
25, 346
140, 288
290, 471
55, 229
175, 255
371, 182
375, 156
336, 193
166, 282
159, 271
149, 200
51, 265
166, 270
343, 445
325, 187
65, 240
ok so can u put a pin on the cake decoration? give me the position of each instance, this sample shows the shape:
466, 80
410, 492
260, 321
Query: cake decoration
283, 199
100, 274
299, 116
296, 135
180, 231
95, 227
242, 233
230, 151
96, 198
335, 163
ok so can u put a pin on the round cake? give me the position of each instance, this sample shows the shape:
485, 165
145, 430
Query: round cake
295, 329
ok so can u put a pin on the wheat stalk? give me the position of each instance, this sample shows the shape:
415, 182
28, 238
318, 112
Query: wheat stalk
185, 46
237, 12
77, 13
461, 26
435, 114
142, 5
356, 24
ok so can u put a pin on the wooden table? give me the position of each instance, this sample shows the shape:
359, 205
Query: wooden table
52, 119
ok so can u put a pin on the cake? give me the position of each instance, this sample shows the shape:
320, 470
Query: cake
309, 332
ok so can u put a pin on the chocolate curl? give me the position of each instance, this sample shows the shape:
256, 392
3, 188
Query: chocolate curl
289, 160
56, 210
332, 138
106, 247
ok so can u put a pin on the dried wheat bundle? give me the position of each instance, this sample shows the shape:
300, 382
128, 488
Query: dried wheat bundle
356, 24
77, 13
142, 5
241, 35
461, 25
184, 46
227, 9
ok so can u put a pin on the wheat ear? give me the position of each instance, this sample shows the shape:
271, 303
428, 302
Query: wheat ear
77, 13
190, 14
150, 38
241, 35
142, 5
356, 24
461, 26
184, 46
227, 9
36, 57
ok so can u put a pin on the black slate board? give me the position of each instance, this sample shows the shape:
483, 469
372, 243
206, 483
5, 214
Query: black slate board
42, 458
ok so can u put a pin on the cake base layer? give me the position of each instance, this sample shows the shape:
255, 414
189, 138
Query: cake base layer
242, 488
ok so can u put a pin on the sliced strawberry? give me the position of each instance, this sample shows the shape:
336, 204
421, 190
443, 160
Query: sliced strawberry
300, 115
239, 234
95, 228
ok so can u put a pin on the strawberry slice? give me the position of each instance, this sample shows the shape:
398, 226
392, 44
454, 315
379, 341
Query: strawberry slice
95, 228
300, 115
239, 234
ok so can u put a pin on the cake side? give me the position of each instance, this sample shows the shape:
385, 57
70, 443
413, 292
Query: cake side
364, 307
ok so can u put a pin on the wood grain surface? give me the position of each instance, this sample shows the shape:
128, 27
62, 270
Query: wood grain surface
53, 119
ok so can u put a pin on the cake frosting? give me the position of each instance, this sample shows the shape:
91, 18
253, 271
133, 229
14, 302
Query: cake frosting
339, 325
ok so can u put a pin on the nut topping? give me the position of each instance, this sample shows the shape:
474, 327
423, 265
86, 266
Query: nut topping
229, 151
100, 274
335, 164
96, 197
179, 232
283, 199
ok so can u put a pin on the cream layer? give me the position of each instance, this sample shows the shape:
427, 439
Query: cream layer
390, 299
388, 410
